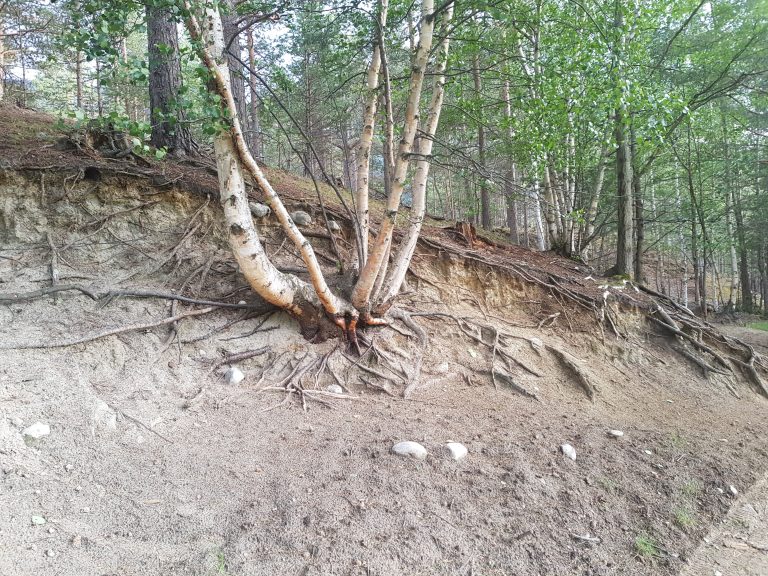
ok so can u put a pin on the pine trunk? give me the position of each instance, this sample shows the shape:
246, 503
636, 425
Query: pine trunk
169, 129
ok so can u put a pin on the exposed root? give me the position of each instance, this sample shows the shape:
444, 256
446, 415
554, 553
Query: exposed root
112, 332
413, 378
571, 364
492, 338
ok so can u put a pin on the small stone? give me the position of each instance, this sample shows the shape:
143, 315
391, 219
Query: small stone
35, 433
442, 368
301, 218
77, 541
51, 530
412, 449
335, 389
333, 226
50, 553
234, 375
259, 210
85, 509
242, 303
38, 520
457, 450
720, 490
615, 433
536, 344
568, 451
69, 467
648, 452
732, 490
103, 417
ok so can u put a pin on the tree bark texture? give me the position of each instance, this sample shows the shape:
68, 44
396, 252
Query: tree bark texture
169, 129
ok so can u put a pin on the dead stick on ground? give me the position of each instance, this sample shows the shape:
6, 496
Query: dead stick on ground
54, 264
240, 356
113, 332
145, 426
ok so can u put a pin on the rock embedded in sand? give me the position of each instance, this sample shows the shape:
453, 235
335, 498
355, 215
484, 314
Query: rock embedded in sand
38, 520
335, 389
732, 490
301, 218
35, 433
412, 449
457, 450
259, 210
234, 375
333, 226
568, 451
103, 417
615, 433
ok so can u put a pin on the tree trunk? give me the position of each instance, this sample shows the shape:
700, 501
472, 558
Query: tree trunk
302, 300
366, 138
255, 141
78, 81
485, 200
407, 247
362, 291
169, 129
236, 72
591, 214
637, 195
510, 182
624, 234
2, 59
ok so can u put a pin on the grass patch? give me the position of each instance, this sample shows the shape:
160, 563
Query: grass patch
684, 518
646, 547
691, 488
758, 326
607, 484
677, 440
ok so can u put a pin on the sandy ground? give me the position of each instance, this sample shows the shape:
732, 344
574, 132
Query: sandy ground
154, 465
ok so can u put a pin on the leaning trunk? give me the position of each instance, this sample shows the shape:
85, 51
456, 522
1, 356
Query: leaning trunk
301, 299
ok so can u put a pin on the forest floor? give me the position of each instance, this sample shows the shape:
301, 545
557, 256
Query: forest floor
155, 465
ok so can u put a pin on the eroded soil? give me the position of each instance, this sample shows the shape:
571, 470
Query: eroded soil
154, 465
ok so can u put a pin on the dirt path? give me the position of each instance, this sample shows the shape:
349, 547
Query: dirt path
739, 545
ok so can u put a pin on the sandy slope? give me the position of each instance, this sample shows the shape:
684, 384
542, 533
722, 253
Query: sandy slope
194, 476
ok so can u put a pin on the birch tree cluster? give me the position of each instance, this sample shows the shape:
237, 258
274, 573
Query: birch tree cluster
629, 136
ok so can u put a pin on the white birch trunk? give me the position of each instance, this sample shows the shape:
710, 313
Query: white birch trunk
362, 292
366, 137
232, 154
402, 260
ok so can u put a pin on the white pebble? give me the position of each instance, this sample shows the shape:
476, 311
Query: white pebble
234, 375
335, 389
413, 449
615, 433
38, 520
457, 450
733, 490
50, 553
569, 451
35, 432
